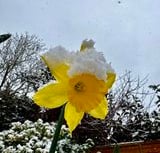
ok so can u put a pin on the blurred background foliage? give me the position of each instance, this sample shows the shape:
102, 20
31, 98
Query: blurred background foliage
134, 109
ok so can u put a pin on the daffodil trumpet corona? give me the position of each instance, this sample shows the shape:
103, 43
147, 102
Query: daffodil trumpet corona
82, 80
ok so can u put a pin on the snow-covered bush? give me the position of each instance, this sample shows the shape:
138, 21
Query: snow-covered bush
36, 137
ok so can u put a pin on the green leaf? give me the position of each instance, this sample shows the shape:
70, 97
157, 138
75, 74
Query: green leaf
4, 37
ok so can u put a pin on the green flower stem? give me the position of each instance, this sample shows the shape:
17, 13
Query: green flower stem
57, 132
116, 149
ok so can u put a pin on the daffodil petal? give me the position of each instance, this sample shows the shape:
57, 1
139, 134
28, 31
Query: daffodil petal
110, 79
101, 110
57, 59
51, 96
72, 117
87, 44
59, 71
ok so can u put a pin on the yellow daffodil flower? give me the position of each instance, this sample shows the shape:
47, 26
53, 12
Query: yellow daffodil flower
82, 80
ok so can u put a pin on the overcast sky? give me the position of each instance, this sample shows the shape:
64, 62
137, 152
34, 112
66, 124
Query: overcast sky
127, 31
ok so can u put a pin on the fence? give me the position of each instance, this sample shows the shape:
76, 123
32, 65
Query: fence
133, 147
